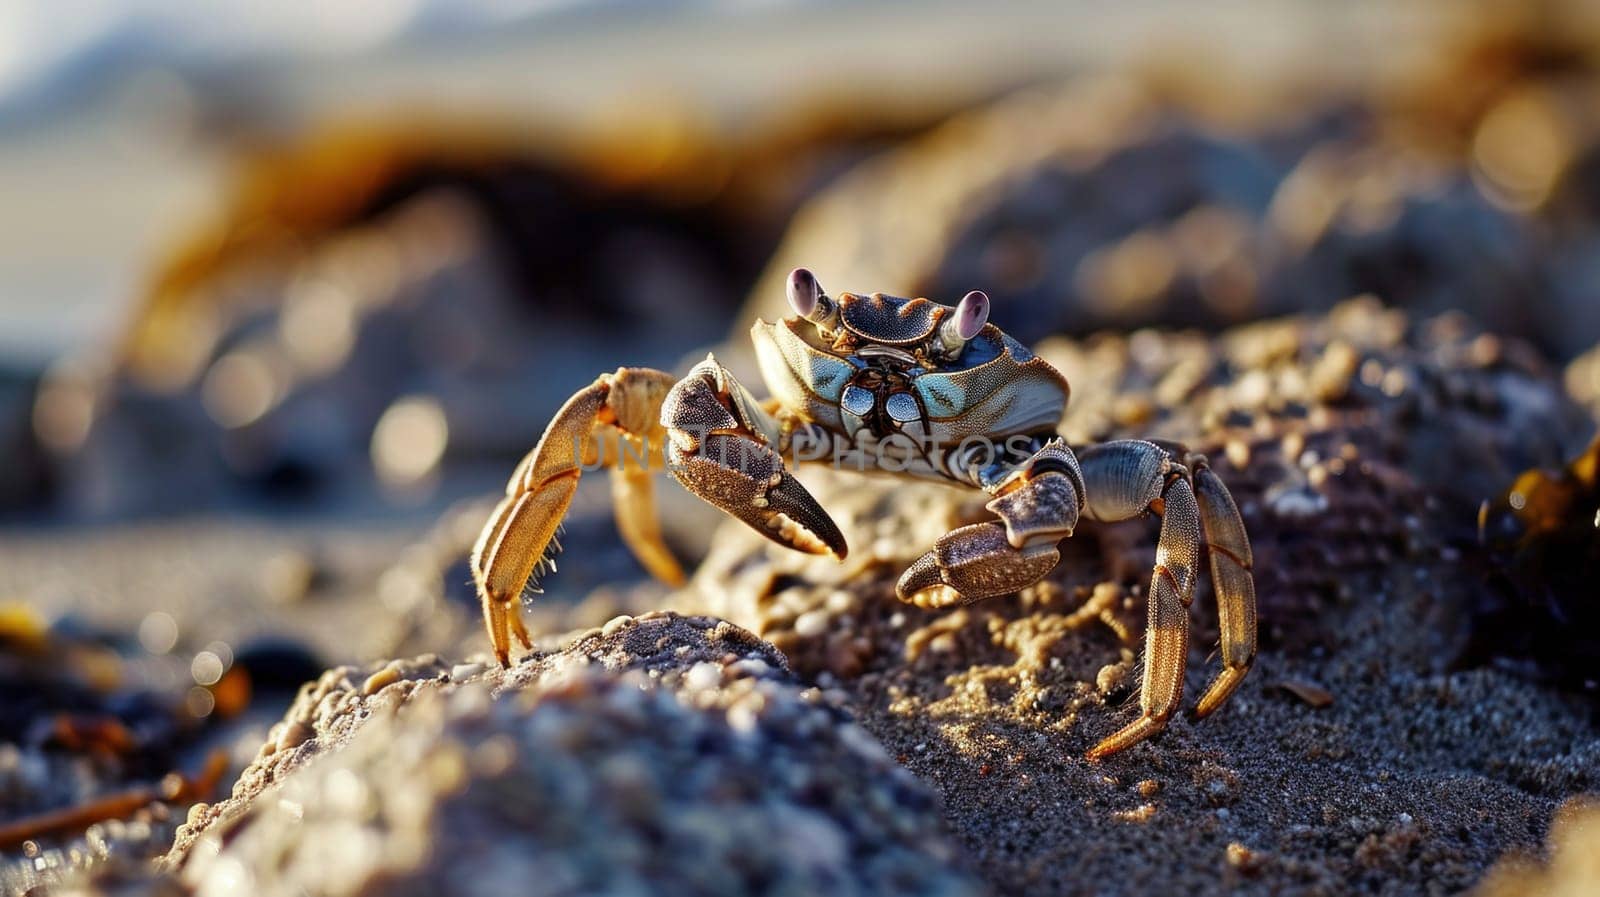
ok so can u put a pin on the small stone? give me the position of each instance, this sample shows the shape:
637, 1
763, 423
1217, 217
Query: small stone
1334, 371
1141, 813
1242, 858
386, 676
1111, 678
703, 676
811, 624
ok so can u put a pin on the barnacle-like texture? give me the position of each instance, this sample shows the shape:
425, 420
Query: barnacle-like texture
1359, 445
660, 754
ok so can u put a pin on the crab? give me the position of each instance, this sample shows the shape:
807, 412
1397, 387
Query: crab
903, 386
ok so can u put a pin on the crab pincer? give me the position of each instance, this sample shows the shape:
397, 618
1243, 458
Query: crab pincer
1038, 505
721, 447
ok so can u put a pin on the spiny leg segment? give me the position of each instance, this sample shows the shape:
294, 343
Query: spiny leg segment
522, 533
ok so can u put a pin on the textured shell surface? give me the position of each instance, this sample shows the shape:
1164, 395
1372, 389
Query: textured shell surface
996, 387
890, 320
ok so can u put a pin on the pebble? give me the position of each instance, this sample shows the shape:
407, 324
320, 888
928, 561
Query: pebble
702, 676
1241, 857
386, 676
811, 624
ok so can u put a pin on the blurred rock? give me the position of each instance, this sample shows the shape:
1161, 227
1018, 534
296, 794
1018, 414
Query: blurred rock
661, 754
25, 477
1106, 204
376, 305
1543, 536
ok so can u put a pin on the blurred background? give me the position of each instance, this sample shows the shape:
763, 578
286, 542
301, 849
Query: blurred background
286, 289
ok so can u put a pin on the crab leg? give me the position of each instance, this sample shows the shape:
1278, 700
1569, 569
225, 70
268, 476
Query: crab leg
520, 537
1126, 478
1233, 583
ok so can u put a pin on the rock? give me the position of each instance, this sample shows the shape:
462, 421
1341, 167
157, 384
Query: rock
1111, 203
1391, 466
664, 754
1542, 534
25, 479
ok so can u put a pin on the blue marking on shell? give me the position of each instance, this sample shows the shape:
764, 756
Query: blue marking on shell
902, 407
942, 394
794, 370
857, 401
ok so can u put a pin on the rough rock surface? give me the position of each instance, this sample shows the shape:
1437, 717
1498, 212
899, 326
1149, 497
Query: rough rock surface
1358, 756
661, 754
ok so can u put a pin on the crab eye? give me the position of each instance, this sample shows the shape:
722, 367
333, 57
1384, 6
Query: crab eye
971, 315
809, 302
963, 324
804, 291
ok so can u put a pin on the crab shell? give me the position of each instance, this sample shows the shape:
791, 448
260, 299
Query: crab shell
995, 388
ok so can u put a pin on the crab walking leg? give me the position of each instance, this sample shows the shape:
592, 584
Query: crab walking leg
518, 538
633, 494
1124, 479
1231, 579
726, 449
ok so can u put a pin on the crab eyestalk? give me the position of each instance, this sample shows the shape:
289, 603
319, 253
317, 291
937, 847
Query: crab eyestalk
809, 302
959, 328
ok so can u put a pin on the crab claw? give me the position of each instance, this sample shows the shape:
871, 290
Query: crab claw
747, 479
1037, 505
973, 563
